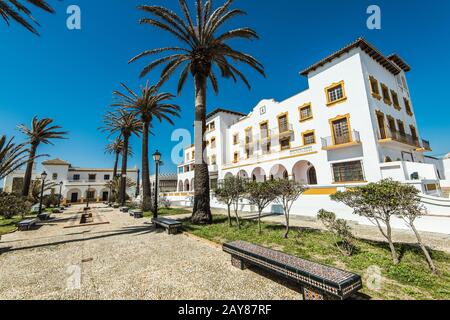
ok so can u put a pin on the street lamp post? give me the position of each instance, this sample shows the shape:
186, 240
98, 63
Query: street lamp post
43, 177
59, 198
157, 158
87, 197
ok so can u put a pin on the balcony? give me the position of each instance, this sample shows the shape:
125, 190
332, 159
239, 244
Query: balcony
342, 141
286, 131
402, 138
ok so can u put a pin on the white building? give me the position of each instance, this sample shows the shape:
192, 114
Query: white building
354, 124
78, 184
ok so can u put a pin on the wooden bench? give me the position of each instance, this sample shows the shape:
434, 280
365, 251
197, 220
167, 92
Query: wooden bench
26, 225
172, 226
317, 281
137, 214
43, 216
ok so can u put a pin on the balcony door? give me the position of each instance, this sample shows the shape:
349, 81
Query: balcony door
381, 125
341, 132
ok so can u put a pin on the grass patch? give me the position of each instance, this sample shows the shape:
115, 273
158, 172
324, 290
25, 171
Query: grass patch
411, 279
168, 212
10, 225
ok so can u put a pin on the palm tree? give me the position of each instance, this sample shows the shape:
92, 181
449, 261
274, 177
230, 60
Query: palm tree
116, 148
41, 131
203, 52
126, 124
12, 10
12, 156
148, 105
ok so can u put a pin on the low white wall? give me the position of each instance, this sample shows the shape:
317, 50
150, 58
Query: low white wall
437, 221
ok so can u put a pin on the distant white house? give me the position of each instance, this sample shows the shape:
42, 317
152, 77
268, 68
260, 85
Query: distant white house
78, 184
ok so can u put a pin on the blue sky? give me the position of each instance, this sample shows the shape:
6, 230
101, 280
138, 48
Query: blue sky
69, 75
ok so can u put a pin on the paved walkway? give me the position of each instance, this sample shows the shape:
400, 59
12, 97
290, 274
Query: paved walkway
125, 259
436, 241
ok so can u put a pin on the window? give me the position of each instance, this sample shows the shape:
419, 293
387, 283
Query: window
90, 195
283, 123
348, 172
55, 176
340, 128
106, 177
391, 123
305, 112
236, 139
375, 88
193, 155
401, 127
213, 143
335, 93
408, 107
92, 177
213, 160
285, 144
395, 100
235, 157
381, 125
309, 138
212, 126
76, 177
413, 133
386, 95
248, 136
265, 137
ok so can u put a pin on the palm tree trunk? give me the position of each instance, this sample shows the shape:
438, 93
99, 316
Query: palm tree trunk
202, 210
29, 171
146, 191
123, 176
116, 163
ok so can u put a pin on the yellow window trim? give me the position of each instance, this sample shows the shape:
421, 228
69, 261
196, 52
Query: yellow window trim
396, 105
408, 107
340, 117
376, 95
306, 105
307, 133
388, 99
379, 113
332, 86
237, 140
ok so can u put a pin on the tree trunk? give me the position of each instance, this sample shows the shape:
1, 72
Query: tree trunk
391, 244
146, 190
29, 171
286, 235
236, 207
202, 210
259, 221
424, 249
116, 163
229, 215
123, 176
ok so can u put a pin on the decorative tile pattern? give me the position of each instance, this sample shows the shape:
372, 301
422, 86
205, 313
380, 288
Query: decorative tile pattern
336, 282
310, 294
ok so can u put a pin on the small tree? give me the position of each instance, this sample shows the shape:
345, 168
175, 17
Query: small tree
237, 192
224, 195
287, 192
411, 209
344, 239
260, 194
378, 202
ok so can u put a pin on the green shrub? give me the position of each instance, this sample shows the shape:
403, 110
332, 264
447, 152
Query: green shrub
12, 205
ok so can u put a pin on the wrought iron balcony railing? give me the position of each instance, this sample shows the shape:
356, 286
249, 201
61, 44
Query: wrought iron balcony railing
341, 140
